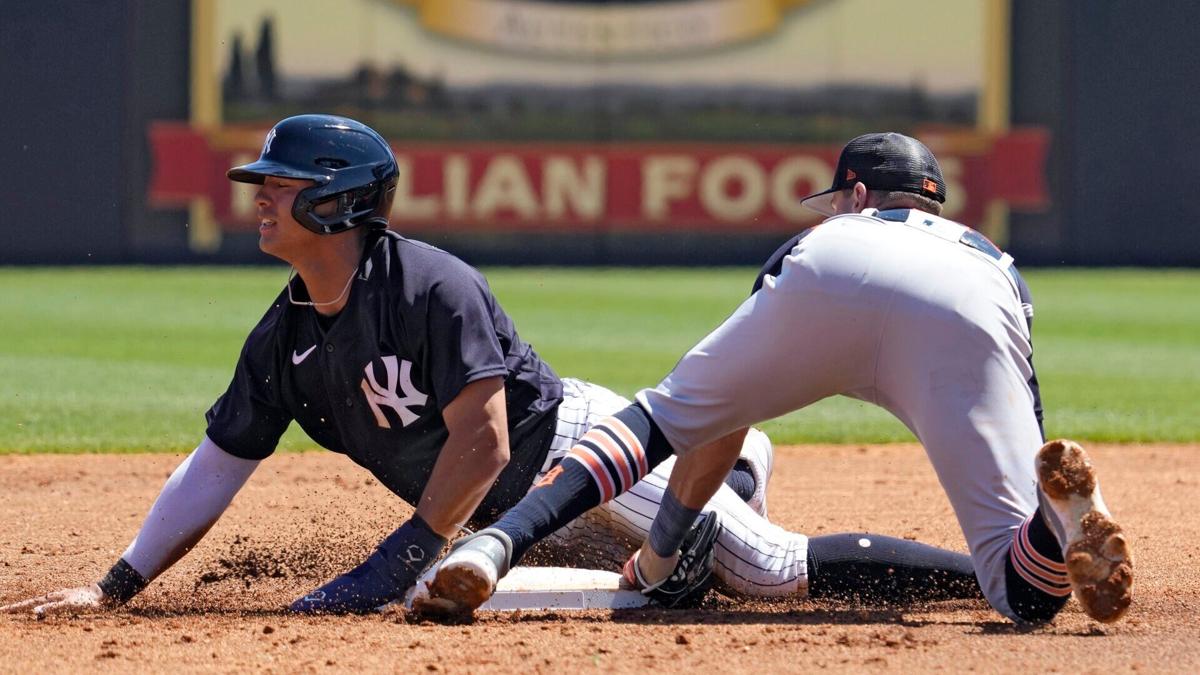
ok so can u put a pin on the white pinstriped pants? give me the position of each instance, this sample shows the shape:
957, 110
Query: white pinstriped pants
754, 557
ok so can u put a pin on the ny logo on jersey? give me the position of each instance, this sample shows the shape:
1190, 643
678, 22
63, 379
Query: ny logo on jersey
399, 373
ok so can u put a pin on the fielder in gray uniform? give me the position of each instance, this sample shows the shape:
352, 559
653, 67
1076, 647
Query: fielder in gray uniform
889, 303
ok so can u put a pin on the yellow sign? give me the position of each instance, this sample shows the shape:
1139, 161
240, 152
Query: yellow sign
602, 29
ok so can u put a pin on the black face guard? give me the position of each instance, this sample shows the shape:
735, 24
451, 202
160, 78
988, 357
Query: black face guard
354, 206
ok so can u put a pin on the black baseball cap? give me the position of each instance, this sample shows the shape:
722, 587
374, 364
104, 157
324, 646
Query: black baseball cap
885, 161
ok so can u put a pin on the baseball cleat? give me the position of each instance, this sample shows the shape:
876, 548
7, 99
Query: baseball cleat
759, 455
1095, 549
468, 576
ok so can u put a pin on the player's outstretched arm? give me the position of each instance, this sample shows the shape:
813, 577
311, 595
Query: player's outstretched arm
475, 453
191, 501
696, 477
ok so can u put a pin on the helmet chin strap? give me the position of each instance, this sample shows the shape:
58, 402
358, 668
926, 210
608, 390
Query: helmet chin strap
308, 303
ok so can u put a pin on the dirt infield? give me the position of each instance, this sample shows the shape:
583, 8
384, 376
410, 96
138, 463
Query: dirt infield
304, 517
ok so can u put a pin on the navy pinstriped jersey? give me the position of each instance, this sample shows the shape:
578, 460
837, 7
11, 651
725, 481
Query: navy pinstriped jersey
371, 383
774, 265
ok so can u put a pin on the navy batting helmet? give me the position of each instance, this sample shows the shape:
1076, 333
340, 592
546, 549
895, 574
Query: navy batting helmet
348, 161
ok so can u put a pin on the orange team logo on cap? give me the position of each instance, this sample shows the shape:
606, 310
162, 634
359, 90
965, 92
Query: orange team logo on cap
850, 175
929, 186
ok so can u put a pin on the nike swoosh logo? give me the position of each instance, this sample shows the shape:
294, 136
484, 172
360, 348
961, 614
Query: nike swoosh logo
298, 357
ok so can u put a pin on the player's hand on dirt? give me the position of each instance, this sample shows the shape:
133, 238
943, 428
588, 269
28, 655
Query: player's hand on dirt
67, 601
692, 576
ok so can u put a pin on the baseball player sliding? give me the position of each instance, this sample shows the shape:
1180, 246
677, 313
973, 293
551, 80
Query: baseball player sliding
888, 303
397, 355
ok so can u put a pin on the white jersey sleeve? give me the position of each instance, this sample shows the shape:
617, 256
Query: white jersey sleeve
193, 498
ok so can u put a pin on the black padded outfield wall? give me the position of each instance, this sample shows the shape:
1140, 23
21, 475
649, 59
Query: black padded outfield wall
82, 81
525, 138
61, 161
1117, 83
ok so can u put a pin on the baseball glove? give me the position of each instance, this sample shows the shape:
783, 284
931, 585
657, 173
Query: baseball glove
693, 574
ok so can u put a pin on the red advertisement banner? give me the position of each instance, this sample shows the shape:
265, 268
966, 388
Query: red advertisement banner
604, 186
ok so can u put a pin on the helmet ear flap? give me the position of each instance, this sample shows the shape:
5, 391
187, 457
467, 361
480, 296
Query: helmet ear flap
366, 205
375, 201
383, 210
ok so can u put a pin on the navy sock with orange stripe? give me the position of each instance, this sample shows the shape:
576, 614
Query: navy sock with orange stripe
564, 494
1036, 580
607, 460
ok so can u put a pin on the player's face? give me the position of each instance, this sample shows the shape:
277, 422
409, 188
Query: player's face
278, 232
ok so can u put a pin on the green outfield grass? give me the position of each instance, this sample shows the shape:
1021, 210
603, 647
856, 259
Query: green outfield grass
128, 359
